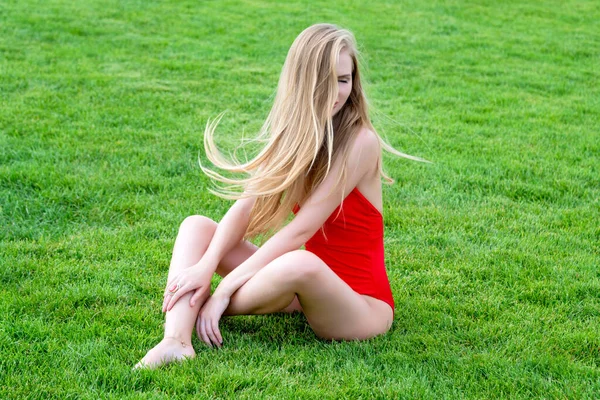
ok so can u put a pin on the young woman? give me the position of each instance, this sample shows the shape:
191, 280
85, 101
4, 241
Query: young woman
322, 161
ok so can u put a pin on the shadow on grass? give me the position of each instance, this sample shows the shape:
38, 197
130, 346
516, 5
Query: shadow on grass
270, 331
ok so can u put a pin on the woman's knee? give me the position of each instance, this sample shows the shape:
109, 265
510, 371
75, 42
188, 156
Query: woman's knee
198, 224
299, 266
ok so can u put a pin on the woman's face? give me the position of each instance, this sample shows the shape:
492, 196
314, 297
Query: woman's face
344, 72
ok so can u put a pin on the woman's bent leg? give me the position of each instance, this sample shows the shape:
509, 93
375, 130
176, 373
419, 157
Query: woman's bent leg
332, 308
193, 239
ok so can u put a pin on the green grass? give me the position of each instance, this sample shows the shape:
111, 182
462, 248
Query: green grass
493, 251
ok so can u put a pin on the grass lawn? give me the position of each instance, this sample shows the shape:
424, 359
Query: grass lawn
493, 251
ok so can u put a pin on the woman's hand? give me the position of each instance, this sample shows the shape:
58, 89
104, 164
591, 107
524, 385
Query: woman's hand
207, 324
196, 278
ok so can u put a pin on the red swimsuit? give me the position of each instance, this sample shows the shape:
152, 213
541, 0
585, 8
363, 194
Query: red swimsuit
353, 246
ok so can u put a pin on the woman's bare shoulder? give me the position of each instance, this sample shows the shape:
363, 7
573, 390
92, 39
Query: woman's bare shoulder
366, 138
366, 148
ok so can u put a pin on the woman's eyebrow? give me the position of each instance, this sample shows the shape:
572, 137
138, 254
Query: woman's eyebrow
345, 76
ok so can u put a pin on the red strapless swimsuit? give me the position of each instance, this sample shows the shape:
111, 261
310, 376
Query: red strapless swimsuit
351, 244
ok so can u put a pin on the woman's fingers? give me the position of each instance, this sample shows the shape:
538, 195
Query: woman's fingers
169, 293
167, 297
177, 295
174, 293
210, 328
165, 302
198, 320
203, 334
172, 281
207, 327
173, 300
171, 285
219, 339
196, 296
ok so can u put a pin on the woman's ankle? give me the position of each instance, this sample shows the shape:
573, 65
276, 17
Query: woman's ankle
185, 342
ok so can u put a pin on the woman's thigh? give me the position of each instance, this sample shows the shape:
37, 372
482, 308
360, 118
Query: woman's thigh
333, 309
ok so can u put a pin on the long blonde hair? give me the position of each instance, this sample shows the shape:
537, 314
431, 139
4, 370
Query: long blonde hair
299, 131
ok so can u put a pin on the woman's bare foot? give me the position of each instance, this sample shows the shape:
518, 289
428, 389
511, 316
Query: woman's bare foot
168, 350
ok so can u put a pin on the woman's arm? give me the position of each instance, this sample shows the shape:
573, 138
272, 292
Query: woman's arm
229, 233
325, 199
